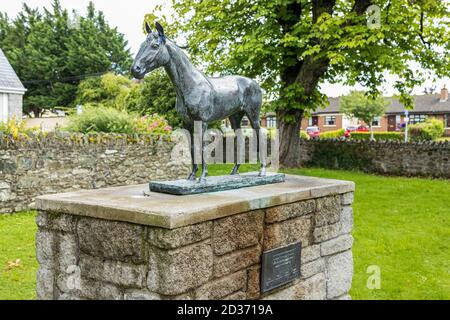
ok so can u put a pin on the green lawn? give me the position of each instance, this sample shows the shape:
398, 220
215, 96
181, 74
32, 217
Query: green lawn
401, 225
17, 278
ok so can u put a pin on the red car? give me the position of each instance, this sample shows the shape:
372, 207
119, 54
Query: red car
351, 129
313, 132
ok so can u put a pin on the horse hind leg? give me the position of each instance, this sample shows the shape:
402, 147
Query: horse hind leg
261, 155
235, 121
252, 110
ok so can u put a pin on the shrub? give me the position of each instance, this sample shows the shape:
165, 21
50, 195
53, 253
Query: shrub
16, 128
102, 119
429, 130
110, 120
304, 135
332, 134
397, 136
154, 124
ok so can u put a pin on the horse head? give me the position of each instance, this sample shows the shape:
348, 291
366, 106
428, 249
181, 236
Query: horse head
152, 54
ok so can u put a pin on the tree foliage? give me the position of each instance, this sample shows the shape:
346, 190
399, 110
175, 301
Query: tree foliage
360, 106
292, 46
154, 95
51, 56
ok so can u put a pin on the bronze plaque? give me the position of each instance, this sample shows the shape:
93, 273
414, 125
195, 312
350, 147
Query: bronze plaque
280, 266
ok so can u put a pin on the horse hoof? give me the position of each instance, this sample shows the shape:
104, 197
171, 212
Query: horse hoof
262, 173
191, 177
202, 180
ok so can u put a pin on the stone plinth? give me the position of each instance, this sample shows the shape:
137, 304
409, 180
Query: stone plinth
129, 243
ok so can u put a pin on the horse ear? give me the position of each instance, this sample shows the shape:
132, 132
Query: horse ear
147, 28
159, 28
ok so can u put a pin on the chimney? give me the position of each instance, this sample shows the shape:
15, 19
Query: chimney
444, 94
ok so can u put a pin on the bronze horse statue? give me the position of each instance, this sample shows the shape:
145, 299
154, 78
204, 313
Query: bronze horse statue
200, 98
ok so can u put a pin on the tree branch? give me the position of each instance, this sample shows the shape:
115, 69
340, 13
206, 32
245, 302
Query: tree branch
425, 43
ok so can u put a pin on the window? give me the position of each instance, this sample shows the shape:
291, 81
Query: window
271, 122
330, 120
310, 122
447, 120
376, 122
417, 118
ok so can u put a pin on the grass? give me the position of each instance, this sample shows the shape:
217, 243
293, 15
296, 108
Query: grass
17, 277
401, 225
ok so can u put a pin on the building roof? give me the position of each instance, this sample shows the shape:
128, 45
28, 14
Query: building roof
429, 103
9, 81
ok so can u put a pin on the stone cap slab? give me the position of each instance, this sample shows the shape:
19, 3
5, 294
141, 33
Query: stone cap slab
136, 204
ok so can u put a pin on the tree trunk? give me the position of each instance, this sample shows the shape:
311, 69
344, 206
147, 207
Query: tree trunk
289, 138
371, 133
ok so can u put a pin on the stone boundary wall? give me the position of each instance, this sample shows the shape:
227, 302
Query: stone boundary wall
88, 258
429, 159
56, 163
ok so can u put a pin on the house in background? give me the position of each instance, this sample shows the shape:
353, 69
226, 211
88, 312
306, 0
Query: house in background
11, 91
429, 105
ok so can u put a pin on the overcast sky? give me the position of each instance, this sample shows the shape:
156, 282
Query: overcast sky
127, 15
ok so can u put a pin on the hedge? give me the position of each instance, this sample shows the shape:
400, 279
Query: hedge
398, 136
429, 130
332, 134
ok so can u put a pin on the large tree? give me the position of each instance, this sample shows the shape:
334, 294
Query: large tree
292, 46
51, 55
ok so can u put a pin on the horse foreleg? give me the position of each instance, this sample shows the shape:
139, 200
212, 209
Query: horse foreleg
193, 173
204, 166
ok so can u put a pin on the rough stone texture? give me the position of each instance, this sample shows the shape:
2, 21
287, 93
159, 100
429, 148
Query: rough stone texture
336, 245
328, 211
347, 198
347, 219
173, 272
236, 261
44, 248
135, 294
55, 221
44, 283
236, 296
67, 243
312, 268
390, 158
82, 257
238, 232
253, 282
310, 253
327, 232
120, 273
60, 164
313, 288
293, 210
116, 240
339, 274
287, 232
169, 239
222, 287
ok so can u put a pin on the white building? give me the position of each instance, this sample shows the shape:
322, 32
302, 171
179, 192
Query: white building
11, 91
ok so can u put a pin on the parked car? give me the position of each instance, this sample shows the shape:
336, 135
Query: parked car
351, 129
313, 132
